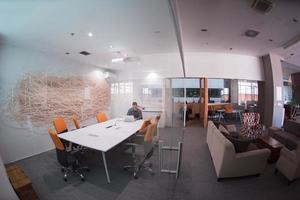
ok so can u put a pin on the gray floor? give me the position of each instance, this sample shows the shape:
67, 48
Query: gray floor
197, 179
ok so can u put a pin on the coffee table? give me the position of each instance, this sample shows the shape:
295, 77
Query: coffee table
272, 144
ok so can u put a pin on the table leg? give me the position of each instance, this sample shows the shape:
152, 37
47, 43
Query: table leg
105, 166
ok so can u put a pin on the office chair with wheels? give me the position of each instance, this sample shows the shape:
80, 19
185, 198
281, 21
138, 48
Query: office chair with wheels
60, 125
69, 160
76, 121
142, 151
101, 117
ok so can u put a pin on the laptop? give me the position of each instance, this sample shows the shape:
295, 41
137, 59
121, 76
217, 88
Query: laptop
129, 118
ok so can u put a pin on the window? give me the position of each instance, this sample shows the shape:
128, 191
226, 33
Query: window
114, 88
248, 91
147, 91
121, 88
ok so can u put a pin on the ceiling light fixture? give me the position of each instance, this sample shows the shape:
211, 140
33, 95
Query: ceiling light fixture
270, 40
295, 20
204, 30
157, 32
67, 53
72, 34
230, 49
251, 33
90, 34
291, 54
115, 60
111, 46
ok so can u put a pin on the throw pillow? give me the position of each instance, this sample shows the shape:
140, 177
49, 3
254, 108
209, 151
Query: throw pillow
223, 129
240, 143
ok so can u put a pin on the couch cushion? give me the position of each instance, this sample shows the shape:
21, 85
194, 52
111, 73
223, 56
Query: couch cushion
292, 127
240, 143
289, 140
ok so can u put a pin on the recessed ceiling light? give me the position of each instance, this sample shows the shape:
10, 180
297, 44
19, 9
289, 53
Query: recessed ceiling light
251, 33
204, 30
157, 32
230, 48
114, 60
90, 34
67, 53
291, 54
72, 34
295, 20
111, 46
270, 40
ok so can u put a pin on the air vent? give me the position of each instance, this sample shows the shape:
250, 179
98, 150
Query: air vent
85, 53
251, 33
262, 6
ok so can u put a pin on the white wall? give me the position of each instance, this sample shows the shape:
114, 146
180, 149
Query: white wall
18, 142
220, 65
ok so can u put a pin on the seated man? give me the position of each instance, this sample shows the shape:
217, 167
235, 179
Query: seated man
135, 111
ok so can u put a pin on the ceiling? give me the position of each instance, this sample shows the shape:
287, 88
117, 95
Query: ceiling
144, 28
227, 21
133, 27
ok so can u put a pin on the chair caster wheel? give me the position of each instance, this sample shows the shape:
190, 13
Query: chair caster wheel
135, 175
62, 170
88, 169
125, 169
81, 177
65, 179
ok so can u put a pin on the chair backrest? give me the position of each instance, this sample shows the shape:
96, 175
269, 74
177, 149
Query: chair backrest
60, 125
144, 126
101, 117
76, 121
157, 118
228, 108
250, 119
61, 153
151, 132
148, 137
56, 141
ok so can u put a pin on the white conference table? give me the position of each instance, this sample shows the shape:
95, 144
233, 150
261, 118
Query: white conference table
103, 136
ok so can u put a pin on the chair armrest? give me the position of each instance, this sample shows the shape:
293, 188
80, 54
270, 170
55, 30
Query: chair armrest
290, 155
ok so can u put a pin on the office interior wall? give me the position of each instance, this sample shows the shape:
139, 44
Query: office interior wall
221, 65
33, 86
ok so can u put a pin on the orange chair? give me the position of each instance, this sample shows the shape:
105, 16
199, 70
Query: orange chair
144, 126
76, 121
101, 117
228, 108
146, 147
60, 125
68, 160
56, 141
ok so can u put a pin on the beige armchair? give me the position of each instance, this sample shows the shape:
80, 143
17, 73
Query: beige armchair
289, 163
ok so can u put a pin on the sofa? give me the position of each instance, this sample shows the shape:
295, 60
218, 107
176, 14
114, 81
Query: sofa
227, 162
289, 136
289, 163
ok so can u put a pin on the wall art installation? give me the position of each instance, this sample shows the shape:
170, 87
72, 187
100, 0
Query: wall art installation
38, 99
